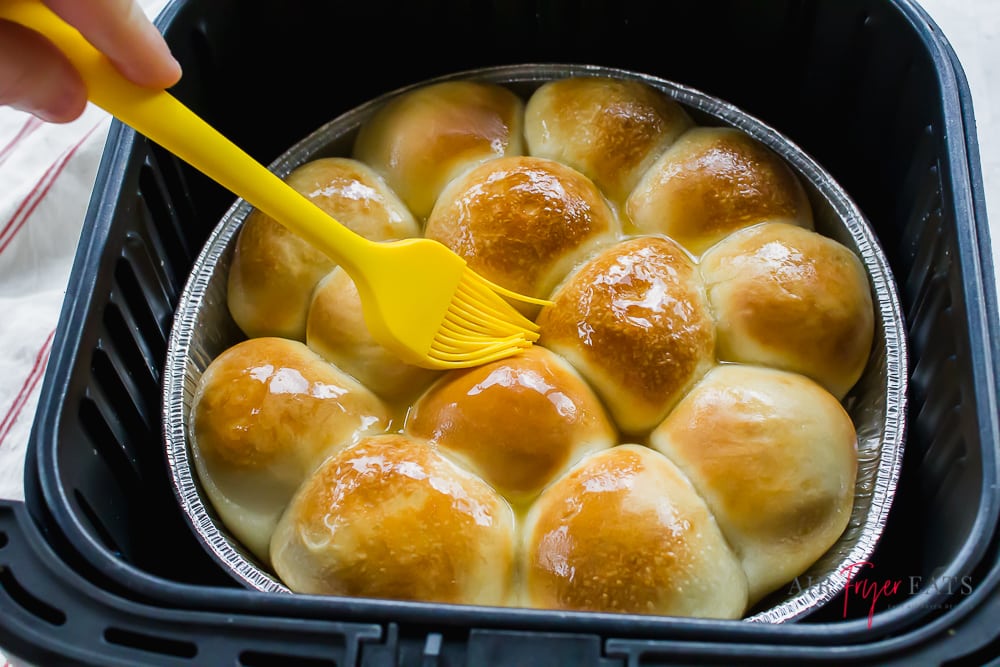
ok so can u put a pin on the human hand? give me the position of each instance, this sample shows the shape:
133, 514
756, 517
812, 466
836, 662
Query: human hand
36, 77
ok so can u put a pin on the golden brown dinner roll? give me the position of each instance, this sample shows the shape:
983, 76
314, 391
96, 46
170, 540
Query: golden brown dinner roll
713, 181
265, 413
791, 298
609, 129
426, 136
635, 322
775, 457
274, 271
522, 222
336, 329
624, 531
391, 518
517, 422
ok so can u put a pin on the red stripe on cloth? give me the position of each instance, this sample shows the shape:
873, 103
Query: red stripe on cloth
27, 388
30, 125
38, 192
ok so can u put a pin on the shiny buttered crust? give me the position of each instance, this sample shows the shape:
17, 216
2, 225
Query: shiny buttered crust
793, 299
274, 271
775, 457
713, 181
609, 129
423, 138
336, 330
518, 422
624, 531
635, 322
265, 413
522, 222
695, 310
391, 518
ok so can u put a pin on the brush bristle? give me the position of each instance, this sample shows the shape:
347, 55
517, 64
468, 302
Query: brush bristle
481, 326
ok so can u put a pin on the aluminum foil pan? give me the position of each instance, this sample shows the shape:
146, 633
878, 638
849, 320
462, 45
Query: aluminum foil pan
203, 328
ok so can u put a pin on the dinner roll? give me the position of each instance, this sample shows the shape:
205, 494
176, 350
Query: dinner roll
274, 271
713, 181
635, 322
775, 457
609, 129
426, 136
517, 422
391, 518
265, 413
791, 298
624, 531
522, 222
336, 329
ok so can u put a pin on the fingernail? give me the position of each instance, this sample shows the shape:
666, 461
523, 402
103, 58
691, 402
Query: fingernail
66, 106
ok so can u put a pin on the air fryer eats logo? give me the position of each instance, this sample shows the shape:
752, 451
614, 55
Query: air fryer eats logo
879, 593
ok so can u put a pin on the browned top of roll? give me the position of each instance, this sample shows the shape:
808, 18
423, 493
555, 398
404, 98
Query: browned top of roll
391, 518
794, 299
271, 278
519, 220
267, 399
609, 129
713, 181
274, 271
637, 312
518, 421
423, 138
625, 532
356, 196
774, 455
763, 441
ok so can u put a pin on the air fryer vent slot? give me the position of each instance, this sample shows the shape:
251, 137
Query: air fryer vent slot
29, 602
117, 338
109, 442
260, 659
103, 534
150, 643
163, 221
129, 425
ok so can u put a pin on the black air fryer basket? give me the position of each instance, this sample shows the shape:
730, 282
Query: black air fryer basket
99, 566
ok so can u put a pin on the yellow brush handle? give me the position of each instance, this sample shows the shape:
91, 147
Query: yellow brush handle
162, 118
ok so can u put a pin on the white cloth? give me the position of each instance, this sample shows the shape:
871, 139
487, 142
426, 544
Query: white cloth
47, 175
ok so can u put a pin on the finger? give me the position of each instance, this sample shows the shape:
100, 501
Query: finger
36, 77
121, 30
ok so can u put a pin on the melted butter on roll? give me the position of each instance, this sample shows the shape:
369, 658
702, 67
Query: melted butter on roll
391, 518
609, 129
425, 137
337, 330
274, 271
624, 531
713, 181
775, 457
517, 422
265, 413
635, 322
523, 222
793, 299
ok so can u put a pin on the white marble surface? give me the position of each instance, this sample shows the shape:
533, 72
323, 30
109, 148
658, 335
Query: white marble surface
973, 29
